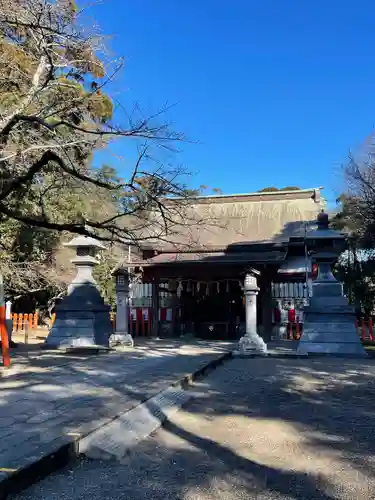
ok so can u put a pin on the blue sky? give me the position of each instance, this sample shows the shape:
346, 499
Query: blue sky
275, 92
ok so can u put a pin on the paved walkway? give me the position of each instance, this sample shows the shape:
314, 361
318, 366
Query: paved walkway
48, 397
260, 429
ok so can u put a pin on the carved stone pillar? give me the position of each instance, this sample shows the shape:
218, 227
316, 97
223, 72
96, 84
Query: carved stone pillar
122, 335
251, 341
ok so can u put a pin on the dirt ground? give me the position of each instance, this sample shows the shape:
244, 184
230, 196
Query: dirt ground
255, 429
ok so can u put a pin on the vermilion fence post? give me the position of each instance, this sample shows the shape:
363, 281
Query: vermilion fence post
36, 320
363, 329
4, 338
20, 319
298, 332
137, 320
143, 322
149, 322
15, 319
370, 328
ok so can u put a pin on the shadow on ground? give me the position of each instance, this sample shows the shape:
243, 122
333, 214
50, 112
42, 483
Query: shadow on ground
260, 428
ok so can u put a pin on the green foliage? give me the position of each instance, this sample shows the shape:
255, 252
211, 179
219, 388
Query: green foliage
358, 280
274, 189
356, 268
103, 276
271, 189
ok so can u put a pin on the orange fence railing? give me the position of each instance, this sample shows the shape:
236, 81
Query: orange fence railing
21, 319
31, 319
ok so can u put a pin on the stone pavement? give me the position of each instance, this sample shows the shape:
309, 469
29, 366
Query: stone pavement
263, 428
48, 399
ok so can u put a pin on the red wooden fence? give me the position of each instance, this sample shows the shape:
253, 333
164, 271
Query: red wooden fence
365, 329
140, 323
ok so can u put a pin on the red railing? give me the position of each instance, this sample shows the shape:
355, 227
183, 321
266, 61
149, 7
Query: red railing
294, 330
365, 329
140, 319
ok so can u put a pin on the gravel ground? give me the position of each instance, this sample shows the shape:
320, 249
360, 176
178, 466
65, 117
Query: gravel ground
256, 429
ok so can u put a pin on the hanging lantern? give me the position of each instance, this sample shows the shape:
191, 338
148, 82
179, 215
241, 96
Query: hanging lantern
198, 286
218, 287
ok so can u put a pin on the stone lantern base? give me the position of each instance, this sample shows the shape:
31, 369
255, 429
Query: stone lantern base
82, 320
252, 342
121, 339
329, 326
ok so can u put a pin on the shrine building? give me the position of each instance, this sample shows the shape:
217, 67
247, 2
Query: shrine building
196, 275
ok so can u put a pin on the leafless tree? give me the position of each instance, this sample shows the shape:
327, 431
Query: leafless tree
54, 113
358, 202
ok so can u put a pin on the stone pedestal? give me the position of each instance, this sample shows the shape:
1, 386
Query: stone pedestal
82, 317
329, 321
251, 341
121, 336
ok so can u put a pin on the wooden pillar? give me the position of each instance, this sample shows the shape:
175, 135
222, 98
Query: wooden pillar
155, 308
172, 286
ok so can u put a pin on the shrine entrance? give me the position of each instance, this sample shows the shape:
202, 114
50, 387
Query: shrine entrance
206, 300
216, 310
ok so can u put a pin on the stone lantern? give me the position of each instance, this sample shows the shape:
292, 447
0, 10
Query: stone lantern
251, 341
329, 320
82, 317
122, 335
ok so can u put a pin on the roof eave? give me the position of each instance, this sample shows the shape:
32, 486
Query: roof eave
245, 195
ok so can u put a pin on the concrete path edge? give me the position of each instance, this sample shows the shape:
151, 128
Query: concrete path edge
67, 448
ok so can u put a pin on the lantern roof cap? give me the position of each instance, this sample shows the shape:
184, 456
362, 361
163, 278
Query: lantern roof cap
84, 241
323, 231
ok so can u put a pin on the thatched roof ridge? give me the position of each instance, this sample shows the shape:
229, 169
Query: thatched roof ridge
293, 194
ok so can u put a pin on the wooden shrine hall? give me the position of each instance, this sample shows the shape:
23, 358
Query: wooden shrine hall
203, 267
